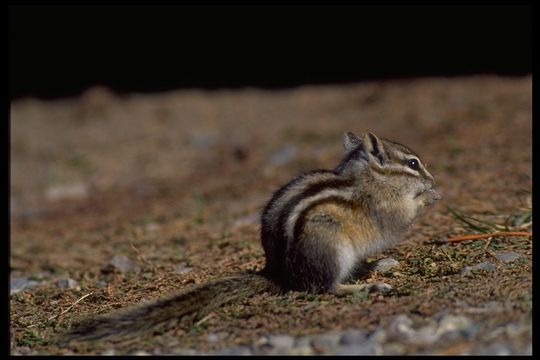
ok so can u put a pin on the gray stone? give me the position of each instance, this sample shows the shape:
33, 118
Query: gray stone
283, 155
75, 191
366, 348
67, 283
456, 324
140, 353
203, 140
385, 265
281, 341
18, 284
326, 342
401, 325
239, 350
492, 349
184, 351
352, 337
507, 256
182, 268
486, 265
252, 219
108, 352
120, 263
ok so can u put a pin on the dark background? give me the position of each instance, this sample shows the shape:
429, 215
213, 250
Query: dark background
57, 51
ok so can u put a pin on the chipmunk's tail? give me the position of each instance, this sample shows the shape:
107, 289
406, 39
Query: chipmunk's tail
195, 301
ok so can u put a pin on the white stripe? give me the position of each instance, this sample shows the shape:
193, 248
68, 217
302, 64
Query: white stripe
345, 193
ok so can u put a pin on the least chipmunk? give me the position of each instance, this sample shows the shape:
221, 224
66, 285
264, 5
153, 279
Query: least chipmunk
315, 230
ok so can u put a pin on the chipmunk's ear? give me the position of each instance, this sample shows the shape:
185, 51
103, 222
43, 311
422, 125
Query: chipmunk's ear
350, 142
374, 147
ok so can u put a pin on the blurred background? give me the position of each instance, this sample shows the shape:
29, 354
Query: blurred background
126, 97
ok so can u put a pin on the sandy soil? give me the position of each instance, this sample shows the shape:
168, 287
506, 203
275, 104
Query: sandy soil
175, 182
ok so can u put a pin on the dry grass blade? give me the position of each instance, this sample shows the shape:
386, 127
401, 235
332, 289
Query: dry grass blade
468, 224
66, 310
484, 236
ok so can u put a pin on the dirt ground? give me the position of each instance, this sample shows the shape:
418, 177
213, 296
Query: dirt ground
174, 182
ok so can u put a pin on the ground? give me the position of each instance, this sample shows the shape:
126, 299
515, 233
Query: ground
168, 187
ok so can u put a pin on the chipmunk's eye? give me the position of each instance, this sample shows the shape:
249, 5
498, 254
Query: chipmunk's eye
413, 164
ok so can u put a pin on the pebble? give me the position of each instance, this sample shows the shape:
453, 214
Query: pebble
18, 284
239, 350
366, 348
247, 220
75, 191
507, 256
385, 265
283, 155
352, 336
140, 353
326, 342
67, 283
203, 140
455, 324
181, 268
121, 263
281, 341
486, 265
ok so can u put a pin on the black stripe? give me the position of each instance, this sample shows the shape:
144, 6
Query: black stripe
300, 223
271, 237
376, 152
291, 204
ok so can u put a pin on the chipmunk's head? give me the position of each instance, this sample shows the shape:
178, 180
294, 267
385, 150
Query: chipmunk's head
390, 164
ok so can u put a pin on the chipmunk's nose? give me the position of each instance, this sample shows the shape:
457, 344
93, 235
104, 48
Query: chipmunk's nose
435, 194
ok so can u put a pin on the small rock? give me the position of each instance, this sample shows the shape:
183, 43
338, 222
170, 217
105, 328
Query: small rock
215, 337
239, 350
18, 284
119, 263
140, 353
326, 342
183, 351
385, 265
73, 191
455, 326
182, 268
283, 155
379, 287
281, 341
352, 336
246, 220
507, 256
67, 283
401, 325
486, 265
152, 227
366, 348
301, 350
491, 349
108, 352
203, 140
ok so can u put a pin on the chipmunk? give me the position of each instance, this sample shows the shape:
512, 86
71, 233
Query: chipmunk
315, 230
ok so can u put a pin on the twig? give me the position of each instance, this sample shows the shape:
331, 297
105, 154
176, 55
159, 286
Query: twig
65, 311
140, 256
483, 236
